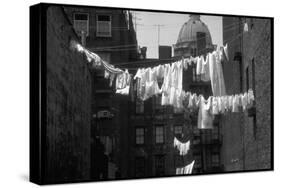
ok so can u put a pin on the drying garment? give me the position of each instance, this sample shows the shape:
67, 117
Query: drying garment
230, 102
122, 80
216, 74
172, 85
111, 79
160, 71
167, 73
164, 99
215, 105
185, 100
106, 74
140, 83
205, 118
111, 68
219, 104
225, 49
205, 72
251, 98
185, 64
185, 170
188, 169
235, 104
223, 104
244, 99
179, 99
199, 63
182, 147
176, 85
151, 85
191, 101
126, 89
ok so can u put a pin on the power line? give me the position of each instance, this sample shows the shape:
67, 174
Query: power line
135, 45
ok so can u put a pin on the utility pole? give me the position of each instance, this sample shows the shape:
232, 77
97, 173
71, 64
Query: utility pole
158, 25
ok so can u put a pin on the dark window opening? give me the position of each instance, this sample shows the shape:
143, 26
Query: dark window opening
159, 134
159, 165
140, 167
139, 136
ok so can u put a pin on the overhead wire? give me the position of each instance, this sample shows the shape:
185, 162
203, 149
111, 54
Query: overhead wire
135, 45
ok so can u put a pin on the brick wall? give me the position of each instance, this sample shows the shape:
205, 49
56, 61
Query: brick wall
68, 104
257, 50
246, 144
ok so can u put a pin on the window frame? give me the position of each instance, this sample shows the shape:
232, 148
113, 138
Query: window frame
178, 126
157, 162
137, 166
88, 20
156, 134
139, 108
97, 25
139, 135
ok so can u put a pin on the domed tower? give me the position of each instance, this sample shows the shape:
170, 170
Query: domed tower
194, 38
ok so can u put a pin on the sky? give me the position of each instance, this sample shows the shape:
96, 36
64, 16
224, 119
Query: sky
147, 29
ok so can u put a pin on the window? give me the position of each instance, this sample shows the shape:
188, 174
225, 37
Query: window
159, 165
139, 106
103, 26
140, 167
81, 23
158, 106
178, 130
215, 159
215, 134
139, 136
159, 134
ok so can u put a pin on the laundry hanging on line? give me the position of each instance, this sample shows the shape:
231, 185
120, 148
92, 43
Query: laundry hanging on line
167, 79
151, 87
185, 170
182, 147
123, 78
170, 75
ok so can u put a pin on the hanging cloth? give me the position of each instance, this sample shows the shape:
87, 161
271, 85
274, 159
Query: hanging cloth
182, 147
185, 170
216, 74
205, 118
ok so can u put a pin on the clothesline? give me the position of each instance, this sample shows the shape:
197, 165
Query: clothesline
80, 48
202, 66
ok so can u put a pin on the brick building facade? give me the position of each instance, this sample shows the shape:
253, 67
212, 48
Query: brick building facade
68, 104
109, 33
103, 135
247, 136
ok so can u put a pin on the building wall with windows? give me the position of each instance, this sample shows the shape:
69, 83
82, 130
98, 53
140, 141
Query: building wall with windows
247, 136
153, 128
110, 34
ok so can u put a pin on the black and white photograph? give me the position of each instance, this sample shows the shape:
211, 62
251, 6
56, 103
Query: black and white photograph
135, 93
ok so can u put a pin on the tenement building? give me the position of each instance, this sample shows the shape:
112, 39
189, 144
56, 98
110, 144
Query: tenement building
153, 127
247, 136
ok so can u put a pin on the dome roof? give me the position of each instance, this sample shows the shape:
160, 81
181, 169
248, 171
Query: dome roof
188, 32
